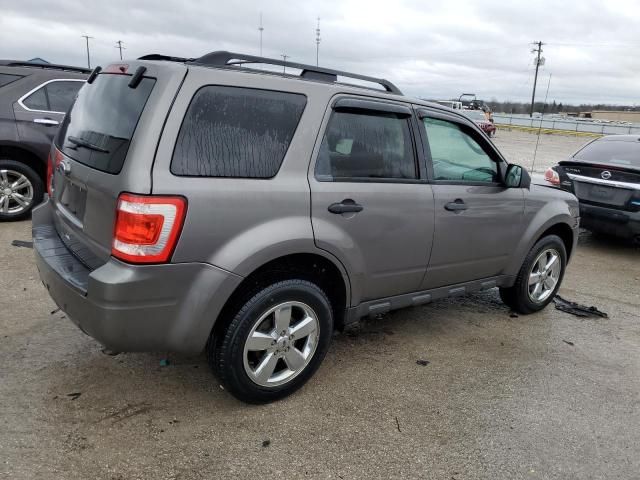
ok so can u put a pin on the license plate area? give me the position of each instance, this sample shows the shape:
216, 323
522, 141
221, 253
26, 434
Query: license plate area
73, 198
602, 194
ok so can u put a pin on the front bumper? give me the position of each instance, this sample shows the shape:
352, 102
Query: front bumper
613, 221
132, 307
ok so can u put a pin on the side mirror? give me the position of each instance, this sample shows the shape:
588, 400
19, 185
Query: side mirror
517, 177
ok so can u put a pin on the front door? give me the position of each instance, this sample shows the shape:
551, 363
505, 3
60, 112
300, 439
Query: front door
478, 220
370, 207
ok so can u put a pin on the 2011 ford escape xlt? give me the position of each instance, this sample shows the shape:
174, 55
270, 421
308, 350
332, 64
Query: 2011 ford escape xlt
201, 204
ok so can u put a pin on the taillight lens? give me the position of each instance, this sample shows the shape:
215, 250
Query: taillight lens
147, 227
552, 176
51, 168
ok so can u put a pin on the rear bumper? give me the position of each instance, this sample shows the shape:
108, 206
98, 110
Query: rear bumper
129, 307
610, 220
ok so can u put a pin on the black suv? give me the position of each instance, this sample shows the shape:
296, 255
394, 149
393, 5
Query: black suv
33, 101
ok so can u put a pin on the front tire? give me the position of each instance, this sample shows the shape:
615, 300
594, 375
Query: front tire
21, 189
274, 343
539, 277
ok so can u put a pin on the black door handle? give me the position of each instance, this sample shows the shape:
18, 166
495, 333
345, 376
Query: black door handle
346, 206
457, 206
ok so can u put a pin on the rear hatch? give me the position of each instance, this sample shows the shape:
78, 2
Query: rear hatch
105, 146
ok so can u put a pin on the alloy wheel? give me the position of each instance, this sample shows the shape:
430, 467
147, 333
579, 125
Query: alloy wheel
544, 275
16, 192
281, 344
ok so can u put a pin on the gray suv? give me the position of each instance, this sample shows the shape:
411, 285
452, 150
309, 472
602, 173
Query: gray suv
33, 100
205, 204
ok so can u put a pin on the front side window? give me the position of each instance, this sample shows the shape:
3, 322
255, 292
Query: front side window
236, 132
53, 97
7, 78
456, 156
366, 145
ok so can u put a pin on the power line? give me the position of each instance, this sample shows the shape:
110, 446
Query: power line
538, 61
535, 152
120, 47
87, 37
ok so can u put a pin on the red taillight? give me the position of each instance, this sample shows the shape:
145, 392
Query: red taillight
51, 168
147, 227
117, 68
552, 176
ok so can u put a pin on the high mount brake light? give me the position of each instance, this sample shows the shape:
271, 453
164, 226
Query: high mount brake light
552, 176
147, 227
119, 68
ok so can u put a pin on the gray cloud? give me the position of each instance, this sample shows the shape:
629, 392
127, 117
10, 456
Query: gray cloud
428, 49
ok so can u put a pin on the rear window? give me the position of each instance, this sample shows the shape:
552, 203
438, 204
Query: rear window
236, 132
612, 152
7, 78
98, 129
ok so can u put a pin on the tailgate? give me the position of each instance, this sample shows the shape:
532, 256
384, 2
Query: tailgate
106, 145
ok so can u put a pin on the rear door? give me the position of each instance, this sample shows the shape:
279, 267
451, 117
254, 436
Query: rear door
105, 146
371, 205
478, 220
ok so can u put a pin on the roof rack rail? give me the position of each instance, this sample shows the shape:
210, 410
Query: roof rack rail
226, 59
47, 66
223, 58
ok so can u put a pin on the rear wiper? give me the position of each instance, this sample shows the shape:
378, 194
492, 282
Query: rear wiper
83, 143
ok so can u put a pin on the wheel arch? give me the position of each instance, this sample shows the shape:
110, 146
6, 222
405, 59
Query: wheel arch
315, 267
24, 155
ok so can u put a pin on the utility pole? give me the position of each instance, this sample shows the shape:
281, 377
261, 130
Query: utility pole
284, 67
318, 43
539, 61
120, 47
87, 37
261, 29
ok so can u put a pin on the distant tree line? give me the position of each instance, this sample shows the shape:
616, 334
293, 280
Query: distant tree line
553, 107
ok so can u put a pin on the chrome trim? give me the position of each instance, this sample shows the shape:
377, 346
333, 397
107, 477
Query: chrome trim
33, 90
46, 121
608, 183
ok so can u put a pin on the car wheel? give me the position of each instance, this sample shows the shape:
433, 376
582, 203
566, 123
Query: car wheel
539, 277
274, 343
20, 190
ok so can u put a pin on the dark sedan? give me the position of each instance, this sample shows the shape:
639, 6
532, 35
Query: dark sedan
605, 176
479, 117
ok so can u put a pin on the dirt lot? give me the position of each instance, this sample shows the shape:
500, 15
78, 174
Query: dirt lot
519, 147
546, 396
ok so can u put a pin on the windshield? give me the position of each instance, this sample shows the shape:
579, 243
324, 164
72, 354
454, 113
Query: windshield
612, 152
98, 129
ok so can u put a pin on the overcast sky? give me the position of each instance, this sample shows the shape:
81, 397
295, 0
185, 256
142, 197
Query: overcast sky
429, 49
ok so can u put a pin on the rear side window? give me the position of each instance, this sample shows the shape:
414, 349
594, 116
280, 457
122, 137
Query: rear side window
56, 96
7, 78
98, 129
236, 132
366, 145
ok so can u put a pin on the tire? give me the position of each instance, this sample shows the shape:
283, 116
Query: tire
239, 362
21, 189
525, 298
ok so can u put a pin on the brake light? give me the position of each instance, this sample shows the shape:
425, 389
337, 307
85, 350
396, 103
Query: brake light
552, 176
51, 168
117, 68
147, 227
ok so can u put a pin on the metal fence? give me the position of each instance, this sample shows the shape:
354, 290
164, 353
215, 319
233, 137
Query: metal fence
567, 125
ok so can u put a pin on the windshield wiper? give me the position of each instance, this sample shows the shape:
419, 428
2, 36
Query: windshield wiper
83, 143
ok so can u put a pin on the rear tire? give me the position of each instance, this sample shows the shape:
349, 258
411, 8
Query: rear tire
274, 343
539, 277
21, 189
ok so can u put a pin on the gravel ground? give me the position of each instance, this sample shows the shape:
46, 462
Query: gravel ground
546, 396
519, 147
